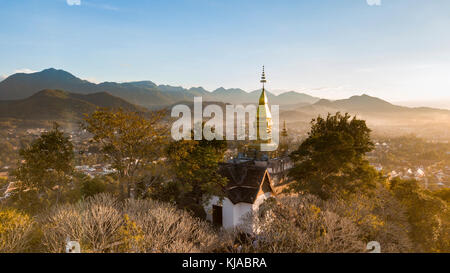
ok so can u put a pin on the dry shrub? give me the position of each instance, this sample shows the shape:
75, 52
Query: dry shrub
380, 218
101, 224
94, 223
162, 227
15, 231
305, 223
295, 224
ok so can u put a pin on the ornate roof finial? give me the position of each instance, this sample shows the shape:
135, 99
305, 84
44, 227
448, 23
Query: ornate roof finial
263, 97
263, 76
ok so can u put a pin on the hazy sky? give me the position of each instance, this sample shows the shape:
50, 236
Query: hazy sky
398, 50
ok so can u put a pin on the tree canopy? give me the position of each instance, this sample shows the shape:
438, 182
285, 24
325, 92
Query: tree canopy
195, 165
331, 160
128, 140
45, 167
428, 214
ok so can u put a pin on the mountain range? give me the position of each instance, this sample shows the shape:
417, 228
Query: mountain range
58, 95
143, 93
60, 105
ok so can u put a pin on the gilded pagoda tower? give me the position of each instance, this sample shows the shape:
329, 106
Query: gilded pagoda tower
263, 125
263, 116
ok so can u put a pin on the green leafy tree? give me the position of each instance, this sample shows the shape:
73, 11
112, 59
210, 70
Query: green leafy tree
91, 187
129, 141
45, 169
195, 167
331, 162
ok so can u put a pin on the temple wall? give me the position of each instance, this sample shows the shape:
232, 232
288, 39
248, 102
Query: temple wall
233, 214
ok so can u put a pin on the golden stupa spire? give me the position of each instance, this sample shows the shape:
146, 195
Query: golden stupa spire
263, 115
263, 98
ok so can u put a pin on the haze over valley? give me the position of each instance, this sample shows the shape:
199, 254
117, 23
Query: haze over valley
57, 95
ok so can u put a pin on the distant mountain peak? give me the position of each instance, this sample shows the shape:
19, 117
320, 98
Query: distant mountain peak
324, 102
51, 93
144, 84
368, 99
51, 69
361, 96
220, 89
56, 72
359, 103
198, 88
